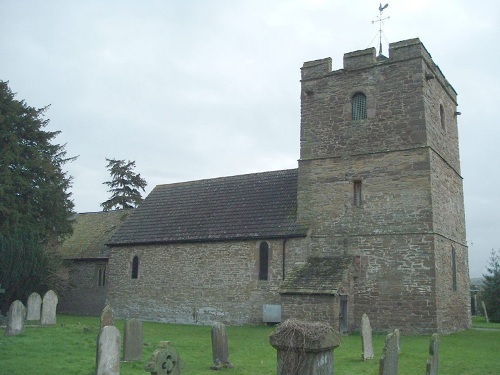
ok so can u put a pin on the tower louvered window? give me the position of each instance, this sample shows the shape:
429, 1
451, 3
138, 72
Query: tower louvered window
359, 106
357, 194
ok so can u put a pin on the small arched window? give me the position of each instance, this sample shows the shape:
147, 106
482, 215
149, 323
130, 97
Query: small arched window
359, 106
135, 267
263, 261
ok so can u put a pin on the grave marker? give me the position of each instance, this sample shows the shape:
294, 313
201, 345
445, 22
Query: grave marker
164, 360
366, 338
305, 348
49, 307
108, 352
34, 306
220, 351
132, 340
432, 361
107, 317
15, 322
390, 355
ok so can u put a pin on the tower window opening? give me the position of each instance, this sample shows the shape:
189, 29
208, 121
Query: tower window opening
454, 268
359, 106
357, 194
441, 116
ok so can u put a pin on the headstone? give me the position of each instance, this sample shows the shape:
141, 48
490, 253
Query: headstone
107, 317
366, 338
390, 355
49, 307
485, 312
108, 352
432, 361
164, 360
305, 348
15, 320
220, 351
34, 306
132, 340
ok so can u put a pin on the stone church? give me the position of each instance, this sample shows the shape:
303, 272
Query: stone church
372, 220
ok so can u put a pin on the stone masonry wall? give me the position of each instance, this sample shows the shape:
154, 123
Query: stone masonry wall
84, 296
195, 283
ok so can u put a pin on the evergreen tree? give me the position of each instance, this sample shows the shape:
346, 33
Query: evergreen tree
33, 187
124, 185
491, 291
35, 204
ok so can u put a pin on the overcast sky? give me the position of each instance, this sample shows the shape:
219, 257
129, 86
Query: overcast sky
196, 89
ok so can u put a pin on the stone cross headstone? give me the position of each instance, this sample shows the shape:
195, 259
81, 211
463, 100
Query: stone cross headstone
34, 306
108, 352
366, 338
220, 351
485, 312
132, 340
49, 307
107, 317
305, 348
164, 360
432, 362
390, 355
15, 321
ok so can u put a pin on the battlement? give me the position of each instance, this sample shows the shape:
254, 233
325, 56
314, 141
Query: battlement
364, 59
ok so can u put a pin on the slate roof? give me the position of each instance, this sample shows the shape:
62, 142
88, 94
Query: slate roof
91, 232
258, 205
319, 275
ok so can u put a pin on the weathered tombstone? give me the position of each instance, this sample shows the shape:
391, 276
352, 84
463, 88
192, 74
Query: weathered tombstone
390, 355
108, 352
485, 312
34, 306
164, 360
107, 317
398, 337
49, 307
132, 340
432, 362
366, 338
15, 320
220, 351
305, 348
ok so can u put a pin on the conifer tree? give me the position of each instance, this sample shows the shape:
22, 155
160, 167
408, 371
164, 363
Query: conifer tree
124, 185
35, 204
34, 188
491, 291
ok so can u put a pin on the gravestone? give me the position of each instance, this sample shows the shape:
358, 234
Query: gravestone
34, 306
432, 361
132, 340
164, 360
108, 351
49, 307
107, 317
366, 338
220, 351
390, 355
305, 348
2, 291
15, 320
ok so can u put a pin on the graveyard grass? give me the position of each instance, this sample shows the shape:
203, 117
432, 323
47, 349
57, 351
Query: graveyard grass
70, 347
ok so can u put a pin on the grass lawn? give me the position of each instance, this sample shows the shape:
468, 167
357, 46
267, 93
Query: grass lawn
70, 347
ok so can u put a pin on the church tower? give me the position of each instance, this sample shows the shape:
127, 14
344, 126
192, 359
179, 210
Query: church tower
379, 180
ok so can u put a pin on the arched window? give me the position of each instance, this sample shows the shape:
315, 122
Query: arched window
359, 106
263, 261
135, 267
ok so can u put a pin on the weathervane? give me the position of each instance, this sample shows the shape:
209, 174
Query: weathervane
379, 20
